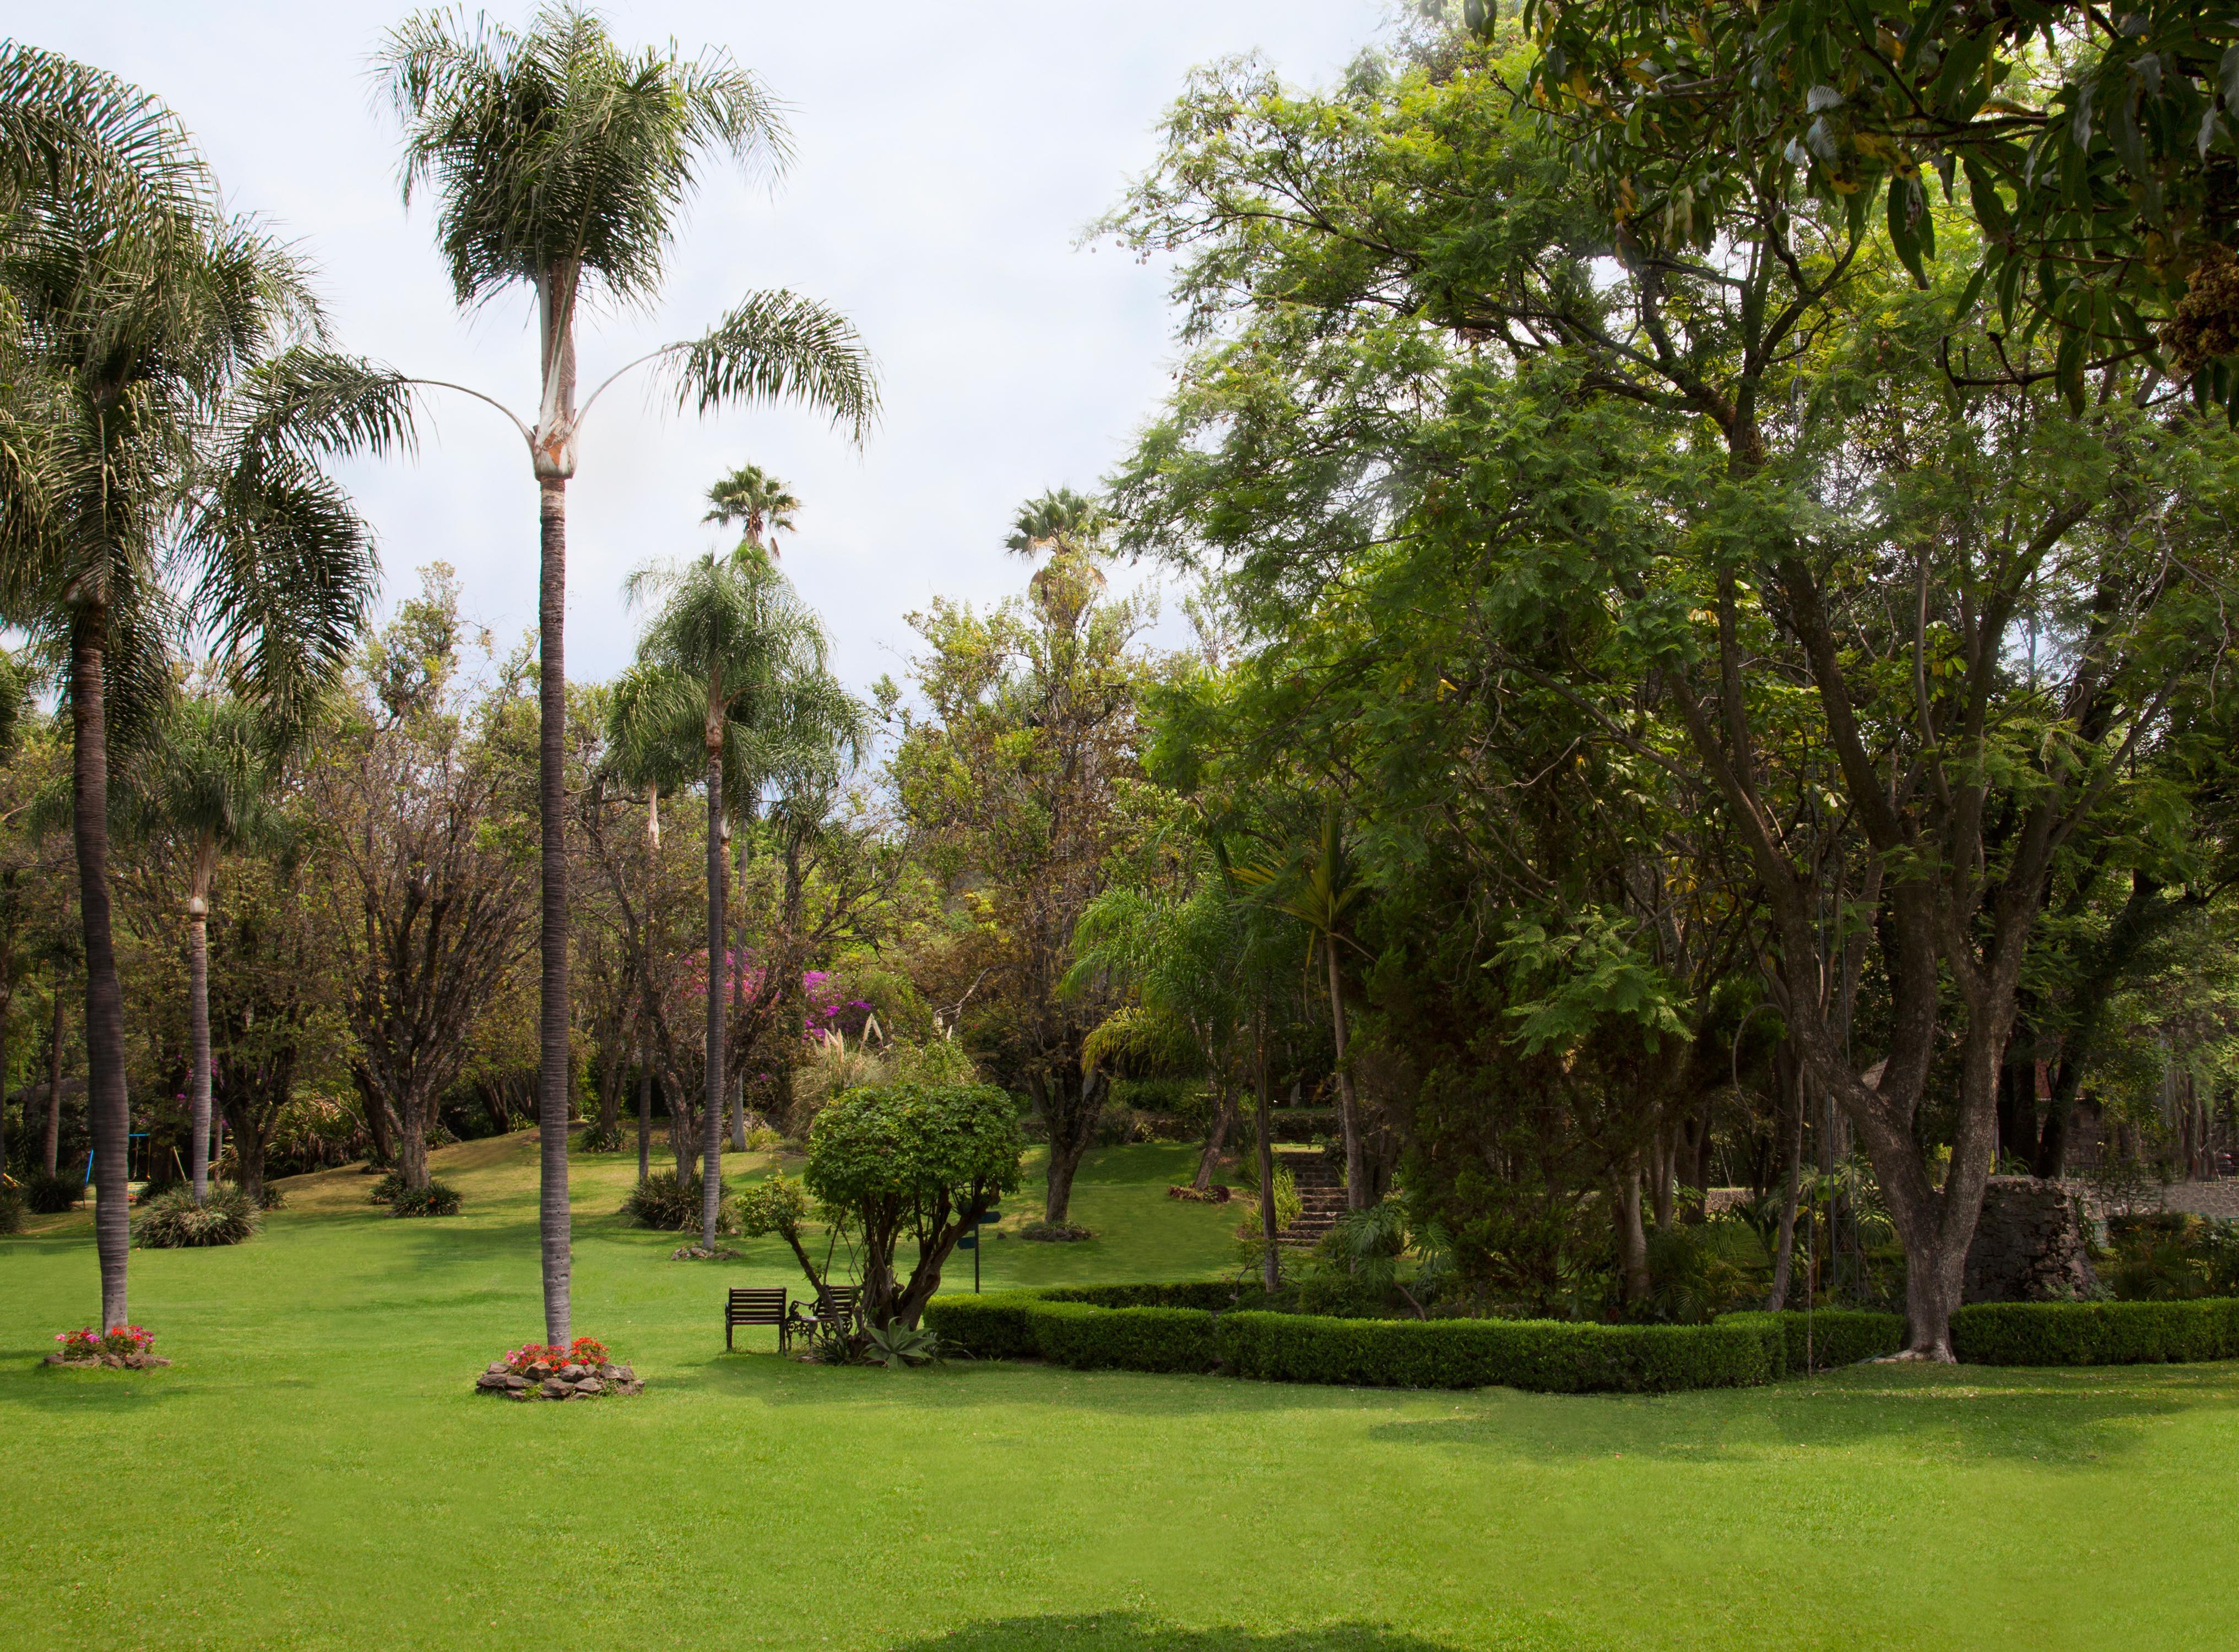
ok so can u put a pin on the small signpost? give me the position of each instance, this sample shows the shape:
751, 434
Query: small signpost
971, 1241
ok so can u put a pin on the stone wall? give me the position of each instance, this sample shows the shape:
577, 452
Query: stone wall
2030, 1245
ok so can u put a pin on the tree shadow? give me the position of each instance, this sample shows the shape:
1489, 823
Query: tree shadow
1131, 1632
47, 1387
2074, 1418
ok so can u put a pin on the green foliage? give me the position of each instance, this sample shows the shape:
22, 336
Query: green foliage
1825, 1338
916, 1147
898, 1346
2095, 1333
11, 1207
1038, 1325
385, 1188
437, 1199
775, 1205
172, 1221
1542, 1356
48, 1195
661, 1201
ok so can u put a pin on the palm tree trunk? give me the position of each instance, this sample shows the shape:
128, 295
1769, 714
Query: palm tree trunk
1271, 1266
1355, 1179
50, 1141
738, 1087
711, 1167
552, 803
198, 1033
109, 1110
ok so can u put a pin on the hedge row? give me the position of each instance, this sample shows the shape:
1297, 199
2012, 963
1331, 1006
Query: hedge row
1826, 1337
1214, 1295
1545, 1355
1162, 1328
2096, 1333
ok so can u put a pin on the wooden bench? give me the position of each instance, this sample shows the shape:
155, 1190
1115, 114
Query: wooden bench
835, 1308
758, 1307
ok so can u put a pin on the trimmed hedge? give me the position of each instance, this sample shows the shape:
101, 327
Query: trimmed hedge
1213, 1295
1548, 1356
1127, 1339
2096, 1333
999, 1325
1835, 1337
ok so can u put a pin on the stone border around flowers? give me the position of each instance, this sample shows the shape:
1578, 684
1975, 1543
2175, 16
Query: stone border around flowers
107, 1361
566, 1383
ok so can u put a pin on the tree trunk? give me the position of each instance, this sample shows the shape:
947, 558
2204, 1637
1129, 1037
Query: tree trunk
644, 1117
412, 1143
1216, 1140
249, 1161
1792, 1185
711, 1170
379, 1123
1071, 1131
1632, 1237
553, 1062
738, 1085
50, 1139
109, 1111
1271, 1264
1356, 1181
198, 1034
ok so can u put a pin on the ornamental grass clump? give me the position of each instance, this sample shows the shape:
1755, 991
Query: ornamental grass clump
437, 1199
52, 1195
172, 1221
661, 1201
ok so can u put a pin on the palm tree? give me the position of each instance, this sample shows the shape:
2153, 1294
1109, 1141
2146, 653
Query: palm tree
563, 164
756, 501
166, 401
730, 636
1320, 888
203, 784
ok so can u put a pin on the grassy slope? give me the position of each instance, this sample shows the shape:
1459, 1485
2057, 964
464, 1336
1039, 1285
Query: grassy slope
312, 1472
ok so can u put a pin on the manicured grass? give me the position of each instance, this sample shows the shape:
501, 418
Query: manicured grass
313, 1473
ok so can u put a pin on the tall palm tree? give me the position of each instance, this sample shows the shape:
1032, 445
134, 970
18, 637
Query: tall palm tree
729, 638
205, 785
758, 501
563, 164
166, 401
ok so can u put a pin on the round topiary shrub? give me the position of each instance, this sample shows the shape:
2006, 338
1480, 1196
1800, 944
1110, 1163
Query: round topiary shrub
434, 1200
52, 1195
172, 1221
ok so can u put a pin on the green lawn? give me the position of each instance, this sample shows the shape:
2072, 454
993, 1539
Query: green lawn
313, 1472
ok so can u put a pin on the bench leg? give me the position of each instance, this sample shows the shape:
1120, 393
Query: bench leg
726, 1335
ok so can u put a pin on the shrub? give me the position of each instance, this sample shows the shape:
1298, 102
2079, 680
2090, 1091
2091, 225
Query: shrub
386, 1189
436, 1198
11, 1207
270, 1198
1215, 1296
172, 1221
999, 1325
2095, 1333
119, 1341
1834, 1337
661, 1201
1127, 1339
1054, 1233
51, 1195
1544, 1356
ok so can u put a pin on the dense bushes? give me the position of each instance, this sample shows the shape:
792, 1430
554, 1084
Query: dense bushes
437, 1199
2095, 1333
172, 1221
51, 1195
1127, 1339
661, 1201
11, 1207
1215, 1295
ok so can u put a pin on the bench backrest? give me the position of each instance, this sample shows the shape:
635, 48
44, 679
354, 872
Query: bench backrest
838, 1302
756, 1307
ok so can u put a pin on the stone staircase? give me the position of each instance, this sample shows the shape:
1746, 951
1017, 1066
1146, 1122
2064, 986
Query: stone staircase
1320, 1181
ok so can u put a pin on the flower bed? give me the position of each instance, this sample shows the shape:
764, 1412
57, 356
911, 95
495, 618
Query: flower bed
582, 1370
124, 1347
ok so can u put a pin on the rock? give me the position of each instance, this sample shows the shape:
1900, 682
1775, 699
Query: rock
491, 1383
515, 1384
495, 1368
539, 1371
630, 1388
590, 1385
519, 1394
554, 1388
607, 1373
626, 1373
573, 1373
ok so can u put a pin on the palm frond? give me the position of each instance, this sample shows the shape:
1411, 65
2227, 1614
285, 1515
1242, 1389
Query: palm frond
778, 347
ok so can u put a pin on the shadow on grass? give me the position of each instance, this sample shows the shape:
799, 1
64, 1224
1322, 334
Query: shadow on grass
1127, 1632
29, 1382
2055, 1418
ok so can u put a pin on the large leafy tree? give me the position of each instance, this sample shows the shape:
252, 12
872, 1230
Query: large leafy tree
168, 401
1801, 596
562, 163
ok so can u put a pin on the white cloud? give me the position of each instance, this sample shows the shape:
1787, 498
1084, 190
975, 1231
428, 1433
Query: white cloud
948, 157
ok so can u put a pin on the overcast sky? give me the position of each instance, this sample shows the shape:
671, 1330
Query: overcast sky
948, 157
